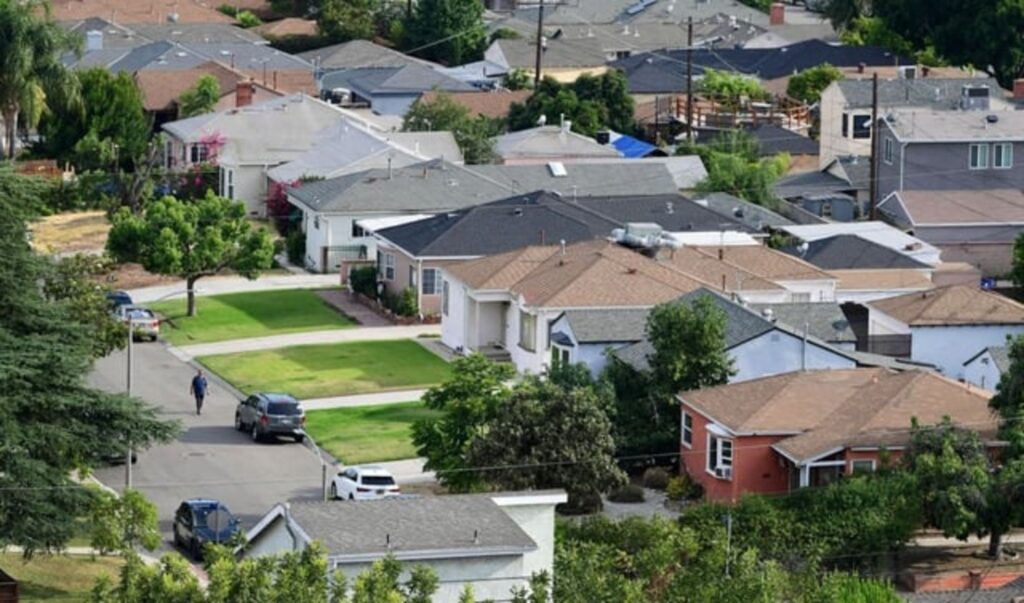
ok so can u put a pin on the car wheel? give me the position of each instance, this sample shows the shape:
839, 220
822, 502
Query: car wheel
238, 422
174, 536
300, 439
255, 433
351, 496
334, 491
194, 549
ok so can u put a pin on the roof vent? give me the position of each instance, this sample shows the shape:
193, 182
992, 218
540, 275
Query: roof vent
737, 212
992, 119
670, 207
768, 314
517, 211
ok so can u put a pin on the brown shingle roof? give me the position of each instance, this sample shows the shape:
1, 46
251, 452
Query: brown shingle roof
952, 305
835, 409
490, 104
138, 11
160, 89
852, 280
290, 26
726, 276
964, 207
768, 263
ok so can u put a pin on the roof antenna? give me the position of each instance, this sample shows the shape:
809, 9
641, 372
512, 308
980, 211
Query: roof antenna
476, 536
561, 260
387, 540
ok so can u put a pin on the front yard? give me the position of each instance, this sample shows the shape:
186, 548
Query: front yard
366, 434
65, 578
337, 369
242, 315
76, 232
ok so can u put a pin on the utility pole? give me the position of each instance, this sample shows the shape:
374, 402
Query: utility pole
540, 45
874, 146
128, 389
689, 80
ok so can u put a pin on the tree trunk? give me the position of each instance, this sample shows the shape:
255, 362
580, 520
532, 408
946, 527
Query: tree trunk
995, 545
10, 132
190, 284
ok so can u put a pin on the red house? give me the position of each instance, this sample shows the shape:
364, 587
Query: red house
779, 433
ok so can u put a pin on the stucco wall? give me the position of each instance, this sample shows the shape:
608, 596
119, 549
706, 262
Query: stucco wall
982, 374
880, 323
777, 352
273, 540
832, 143
949, 347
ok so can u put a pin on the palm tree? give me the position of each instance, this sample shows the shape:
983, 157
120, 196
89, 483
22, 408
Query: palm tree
31, 71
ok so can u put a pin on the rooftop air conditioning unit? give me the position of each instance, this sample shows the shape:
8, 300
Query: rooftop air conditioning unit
974, 98
908, 72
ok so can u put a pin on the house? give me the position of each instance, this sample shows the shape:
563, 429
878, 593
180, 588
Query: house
332, 208
845, 106
132, 11
686, 170
544, 144
811, 428
422, 248
489, 103
839, 192
247, 141
877, 232
852, 252
948, 325
753, 215
358, 54
987, 367
494, 542
562, 59
162, 90
387, 90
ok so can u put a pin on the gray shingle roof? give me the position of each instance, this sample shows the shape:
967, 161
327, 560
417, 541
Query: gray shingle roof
821, 319
843, 252
521, 53
810, 183
607, 326
1000, 356
203, 33
408, 79
413, 524
751, 214
938, 93
357, 54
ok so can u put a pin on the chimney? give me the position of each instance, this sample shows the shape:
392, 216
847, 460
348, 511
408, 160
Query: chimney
244, 91
777, 16
925, 70
1018, 89
94, 40
861, 67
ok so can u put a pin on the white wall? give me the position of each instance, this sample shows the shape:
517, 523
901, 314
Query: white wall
538, 521
880, 323
982, 372
779, 352
537, 361
334, 230
949, 347
818, 290
454, 324
273, 540
863, 296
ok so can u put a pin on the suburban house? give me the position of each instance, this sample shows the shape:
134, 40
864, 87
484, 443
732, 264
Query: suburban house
549, 143
424, 247
335, 211
162, 90
494, 542
387, 90
946, 327
247, 141
877, 232
562, 59
489, 103
811, 428
358, 54
987, 367
844, 184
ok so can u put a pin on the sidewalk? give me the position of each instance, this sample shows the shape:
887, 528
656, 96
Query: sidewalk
216, 285
406, 395
186, 353
409, 471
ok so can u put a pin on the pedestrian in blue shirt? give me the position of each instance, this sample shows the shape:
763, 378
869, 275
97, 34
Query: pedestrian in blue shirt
198, 389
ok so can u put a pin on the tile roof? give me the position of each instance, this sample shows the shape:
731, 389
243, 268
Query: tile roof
950, 306
954, 126
358, 54
549, 142
138, 11
881, 280
938, 93
607, 326
958, 207
492, 103
826, 410
412, 525
851, 252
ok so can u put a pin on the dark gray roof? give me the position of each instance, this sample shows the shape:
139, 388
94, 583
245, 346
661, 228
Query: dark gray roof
410, 79
357, 54
938, 93
811, 183
607, 326
771, 140
199, 33
849, 251
560, 52
1006, 594
822, 318
414, 524
751, 214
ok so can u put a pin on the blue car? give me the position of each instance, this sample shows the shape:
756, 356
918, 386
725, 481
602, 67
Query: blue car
200, 521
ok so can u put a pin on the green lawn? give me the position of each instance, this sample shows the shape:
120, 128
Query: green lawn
241, 315
366, 434
64, 578
337, 369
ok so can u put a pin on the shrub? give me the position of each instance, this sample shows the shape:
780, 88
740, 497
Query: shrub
404, 304
364, 280
656, 478
246, 19
678, 487
296, 246
228, 10
630, 493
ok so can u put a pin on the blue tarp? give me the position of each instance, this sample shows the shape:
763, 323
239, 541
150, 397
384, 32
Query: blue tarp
632, 148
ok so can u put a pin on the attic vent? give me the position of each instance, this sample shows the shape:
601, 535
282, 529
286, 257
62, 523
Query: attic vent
557, 169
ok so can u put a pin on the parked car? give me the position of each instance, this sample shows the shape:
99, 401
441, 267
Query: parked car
264, 415
364, 483
200, 521
116, 299
142, 321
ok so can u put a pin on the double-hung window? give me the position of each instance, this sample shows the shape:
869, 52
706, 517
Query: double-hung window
720, 456
431, 281
979, 156
1002, 155
687, 430
389, 267
527, 331
887, 151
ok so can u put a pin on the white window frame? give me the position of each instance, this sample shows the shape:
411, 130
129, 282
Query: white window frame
527, 336
434, 279
686, 433
412, 276
855, 462
826, 209
389, 267
983, 156
887, 151
229, 183
445, 294
720, 444
1004, 152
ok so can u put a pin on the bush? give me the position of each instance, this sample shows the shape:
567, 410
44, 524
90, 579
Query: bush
228, 10
364, 280
630, 493
246, 19
584, 503
404, 304
678, 487
656, 478
295, 243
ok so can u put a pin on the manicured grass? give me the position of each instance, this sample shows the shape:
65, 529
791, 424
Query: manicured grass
64, 578
366, 434
337, 369
241, 315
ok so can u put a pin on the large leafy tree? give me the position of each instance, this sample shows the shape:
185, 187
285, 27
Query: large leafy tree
191, 239
730, 89
201, 98
592, 103
473, 135
122, 523
447, 31
31, 72
51, 422
74, 282
341, 20
808, 85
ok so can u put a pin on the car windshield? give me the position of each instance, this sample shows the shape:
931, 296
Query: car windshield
283, 408
218, 518
378, 480
136, 313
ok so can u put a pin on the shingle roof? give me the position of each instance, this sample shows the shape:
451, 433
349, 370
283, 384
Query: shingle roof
768, 263
751, 214
410, 525
939, 93
358, 54
1006, 594
188, 33
290, 26
958, 207
952, 305
955, 126
136, 11
161, 89
810, 183
491, 103
882, 280
408, 79
549, 142
841, 408
773, 139
607, 326
821, 318
521, 53
848, 251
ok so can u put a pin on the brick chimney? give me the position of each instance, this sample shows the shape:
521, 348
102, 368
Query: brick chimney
244, 91
1018, 89
777, 16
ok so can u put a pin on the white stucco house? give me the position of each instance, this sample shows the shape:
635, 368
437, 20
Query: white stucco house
494, 542
947, 326
985, 368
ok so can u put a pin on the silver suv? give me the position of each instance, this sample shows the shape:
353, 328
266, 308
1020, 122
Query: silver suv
265, 415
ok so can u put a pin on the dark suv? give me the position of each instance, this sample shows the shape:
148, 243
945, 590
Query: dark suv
200, 521
265, 415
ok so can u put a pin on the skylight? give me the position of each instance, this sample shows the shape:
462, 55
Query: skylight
557, 169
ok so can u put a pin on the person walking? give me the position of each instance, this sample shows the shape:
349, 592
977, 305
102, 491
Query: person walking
198, 389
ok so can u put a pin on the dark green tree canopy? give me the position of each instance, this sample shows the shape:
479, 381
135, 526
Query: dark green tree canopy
689, 345
473, 135
808, 85
342, 20
451, 32
201, 98
591, 102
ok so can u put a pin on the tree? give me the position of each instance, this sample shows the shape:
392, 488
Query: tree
191, 240
473, 135
518, 79
451, 32
591, 102
51, 422
467, 401
73, 283
200, 99
1017, 271
808, 85
841, 13
750, 180
342, 20
689, 346
31, 71
731, 89
551, 435
122, 523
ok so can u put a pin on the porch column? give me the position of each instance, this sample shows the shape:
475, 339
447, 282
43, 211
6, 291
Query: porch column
476, 325
805, 476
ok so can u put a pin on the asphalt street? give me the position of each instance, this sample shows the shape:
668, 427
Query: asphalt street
210, 459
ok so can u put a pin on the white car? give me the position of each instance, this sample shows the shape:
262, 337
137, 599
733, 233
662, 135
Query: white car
364, 483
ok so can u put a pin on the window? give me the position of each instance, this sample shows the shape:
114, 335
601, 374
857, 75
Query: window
389, 267
444, 298
412, 276
199, 153
862, 466
887, 151
826, 209
846, 125
559, 356
316, 221
1002, 155
283, 408
720, 456
979, 156
687, 429
862, 126
229, 183
527, 331
431, 281
357, 230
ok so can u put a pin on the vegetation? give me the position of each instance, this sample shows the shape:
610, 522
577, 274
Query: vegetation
200, 99
253, 314
246, 19
74, 282
808, 85
735, 167
340, 369
731, 89
592, 103
342, 20
295, 247
364, 280
472, 134
123, 523
451, 32
365, 434
191, 240
64, 578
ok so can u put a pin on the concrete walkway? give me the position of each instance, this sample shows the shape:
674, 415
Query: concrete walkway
186, 353
405, 395
409, 471
216, 285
